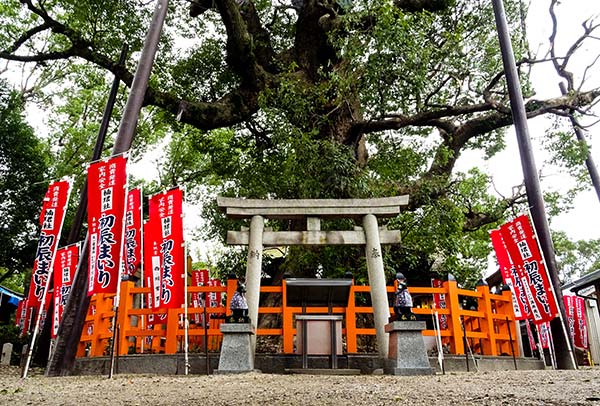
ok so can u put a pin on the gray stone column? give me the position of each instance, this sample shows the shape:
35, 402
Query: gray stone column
253, 270
381, 307
7, 349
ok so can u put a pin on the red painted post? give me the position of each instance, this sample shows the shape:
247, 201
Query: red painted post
456, 341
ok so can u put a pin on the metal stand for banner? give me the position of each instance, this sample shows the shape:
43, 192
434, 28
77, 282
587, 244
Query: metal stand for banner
205, 325
186, 321
512, 347
468, 348
438, 339
551, 345
114, 336
142, 279
117, 299
539, 343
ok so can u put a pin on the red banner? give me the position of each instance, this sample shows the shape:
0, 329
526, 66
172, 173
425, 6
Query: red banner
51, 221
439, 299
133, 232
150, 320
510, 277
21, 315
199, 278
544, 330
575, 309
581, 332
152, 269
107, 182
167, 247
214, 298
525, 254
64, 270
532, 341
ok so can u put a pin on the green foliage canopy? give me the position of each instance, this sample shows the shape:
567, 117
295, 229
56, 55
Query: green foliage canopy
23, 183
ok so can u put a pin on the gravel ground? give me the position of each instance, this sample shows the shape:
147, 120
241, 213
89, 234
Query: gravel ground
581, 387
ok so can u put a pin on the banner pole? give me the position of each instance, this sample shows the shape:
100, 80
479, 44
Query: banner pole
117, 299
185, 294
512, 347
142, 280
438, 339
552, 350
540, 344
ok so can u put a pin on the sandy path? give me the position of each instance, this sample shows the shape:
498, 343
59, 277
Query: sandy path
581, 387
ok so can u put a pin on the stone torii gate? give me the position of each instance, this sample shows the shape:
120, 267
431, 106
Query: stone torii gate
312, 211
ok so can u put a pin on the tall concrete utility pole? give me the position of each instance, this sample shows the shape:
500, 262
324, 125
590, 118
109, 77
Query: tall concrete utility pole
63, 359
562, 342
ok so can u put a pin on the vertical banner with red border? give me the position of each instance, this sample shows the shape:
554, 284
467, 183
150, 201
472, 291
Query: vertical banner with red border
148, 241
199, 278
45, 310
544, 330
21, 315
524, 251
581, 331
51, 221
65, 266
510, 277
439, 299
531, 338
107, 184
570, 312
575, 309
214, 298
152, 269
133, 232
166, 210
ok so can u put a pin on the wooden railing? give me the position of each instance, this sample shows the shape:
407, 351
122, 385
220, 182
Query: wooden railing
485, 330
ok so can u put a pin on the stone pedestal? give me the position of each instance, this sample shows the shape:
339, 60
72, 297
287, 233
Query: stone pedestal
407, 354
237, 355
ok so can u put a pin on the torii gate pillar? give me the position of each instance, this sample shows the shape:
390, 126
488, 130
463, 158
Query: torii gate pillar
381, 307
253, 271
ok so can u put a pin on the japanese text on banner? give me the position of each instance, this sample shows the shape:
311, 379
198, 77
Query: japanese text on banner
107, 182
525, 255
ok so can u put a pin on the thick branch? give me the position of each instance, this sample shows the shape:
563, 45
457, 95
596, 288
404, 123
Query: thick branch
474, 220
240, 45
233, 108
26, 37
495, 120
434, 182
80, 47
433, 118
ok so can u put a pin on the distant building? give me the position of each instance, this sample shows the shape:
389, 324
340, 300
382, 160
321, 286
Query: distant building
588, 287
9, 300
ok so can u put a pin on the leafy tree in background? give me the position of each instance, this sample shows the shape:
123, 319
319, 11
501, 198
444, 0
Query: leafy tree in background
23, 183
306, 99
576, 258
